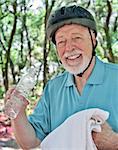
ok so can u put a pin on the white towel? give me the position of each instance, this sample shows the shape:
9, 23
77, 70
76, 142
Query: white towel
75, 132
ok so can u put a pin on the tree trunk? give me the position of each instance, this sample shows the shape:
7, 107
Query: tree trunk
45, 50
9, 46
108, 37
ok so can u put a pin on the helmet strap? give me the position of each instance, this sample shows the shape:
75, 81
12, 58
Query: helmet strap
93, 54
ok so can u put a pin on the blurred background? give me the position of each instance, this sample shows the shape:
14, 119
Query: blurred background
23, 42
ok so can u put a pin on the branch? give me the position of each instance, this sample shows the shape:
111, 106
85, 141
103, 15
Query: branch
2, 45
115, 24
88, 4
52, 4
28, 40
106, 28
3, 35
3, 16
12, 32
10, 44
109, 13
49, 9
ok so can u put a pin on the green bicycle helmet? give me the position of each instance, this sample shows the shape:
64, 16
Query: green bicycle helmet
68, 15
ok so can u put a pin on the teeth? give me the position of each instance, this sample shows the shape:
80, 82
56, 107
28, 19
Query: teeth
74, 56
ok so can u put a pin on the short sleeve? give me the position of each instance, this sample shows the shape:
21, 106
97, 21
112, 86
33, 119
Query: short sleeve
40, 118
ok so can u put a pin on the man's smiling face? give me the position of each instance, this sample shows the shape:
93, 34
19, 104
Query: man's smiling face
74, 47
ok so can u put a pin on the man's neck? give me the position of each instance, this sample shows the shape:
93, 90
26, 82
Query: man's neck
81, 81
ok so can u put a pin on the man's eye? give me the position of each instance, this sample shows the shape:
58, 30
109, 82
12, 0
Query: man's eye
61, 43
77, 37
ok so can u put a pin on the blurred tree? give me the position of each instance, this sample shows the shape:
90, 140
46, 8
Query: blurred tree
16, 23
48, 9
23, 40
7, 48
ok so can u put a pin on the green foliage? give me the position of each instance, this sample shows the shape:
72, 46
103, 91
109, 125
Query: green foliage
53, 53
28, 41
2, 91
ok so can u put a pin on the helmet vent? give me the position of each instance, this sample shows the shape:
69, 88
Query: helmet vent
69, 15
62, 10
74, 8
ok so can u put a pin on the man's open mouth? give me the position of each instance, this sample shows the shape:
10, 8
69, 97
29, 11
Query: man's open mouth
72, 57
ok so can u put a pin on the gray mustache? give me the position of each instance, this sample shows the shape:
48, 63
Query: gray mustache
71, 53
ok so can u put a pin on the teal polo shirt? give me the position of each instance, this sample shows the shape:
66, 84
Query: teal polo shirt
61, 99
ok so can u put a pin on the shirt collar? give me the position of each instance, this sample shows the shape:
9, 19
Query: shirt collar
96, 77
70, 80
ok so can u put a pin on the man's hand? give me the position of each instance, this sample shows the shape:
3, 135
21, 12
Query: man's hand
107, 139
12, 92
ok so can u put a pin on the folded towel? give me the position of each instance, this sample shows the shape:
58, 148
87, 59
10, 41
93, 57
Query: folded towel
75, 132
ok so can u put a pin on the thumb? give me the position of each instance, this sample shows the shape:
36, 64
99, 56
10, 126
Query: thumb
8, 94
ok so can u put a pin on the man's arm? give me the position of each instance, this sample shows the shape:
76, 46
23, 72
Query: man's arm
23, 130
107, 139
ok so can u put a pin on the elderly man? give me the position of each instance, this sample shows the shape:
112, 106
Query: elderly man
86, 83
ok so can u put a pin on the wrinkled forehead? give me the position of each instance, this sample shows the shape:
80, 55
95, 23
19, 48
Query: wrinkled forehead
70, 29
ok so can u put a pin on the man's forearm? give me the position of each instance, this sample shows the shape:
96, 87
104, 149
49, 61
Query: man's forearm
24, 132
107, 139
108, 143
114, 143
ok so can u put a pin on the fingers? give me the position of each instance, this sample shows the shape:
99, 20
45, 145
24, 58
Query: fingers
94, 134
8, 94
106, 128
15, 92
21, 97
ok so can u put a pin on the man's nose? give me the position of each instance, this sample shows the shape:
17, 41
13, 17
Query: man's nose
69, 45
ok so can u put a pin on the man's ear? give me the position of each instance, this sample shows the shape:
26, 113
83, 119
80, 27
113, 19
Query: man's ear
94, 38
96, 43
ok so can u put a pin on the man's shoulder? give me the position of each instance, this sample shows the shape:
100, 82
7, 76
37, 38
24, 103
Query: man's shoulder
111, 66
59, 78
108, 65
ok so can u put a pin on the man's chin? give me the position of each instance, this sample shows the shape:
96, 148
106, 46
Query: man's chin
74, 72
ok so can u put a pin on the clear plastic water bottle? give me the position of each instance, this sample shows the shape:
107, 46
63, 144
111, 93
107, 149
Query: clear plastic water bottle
24, 86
